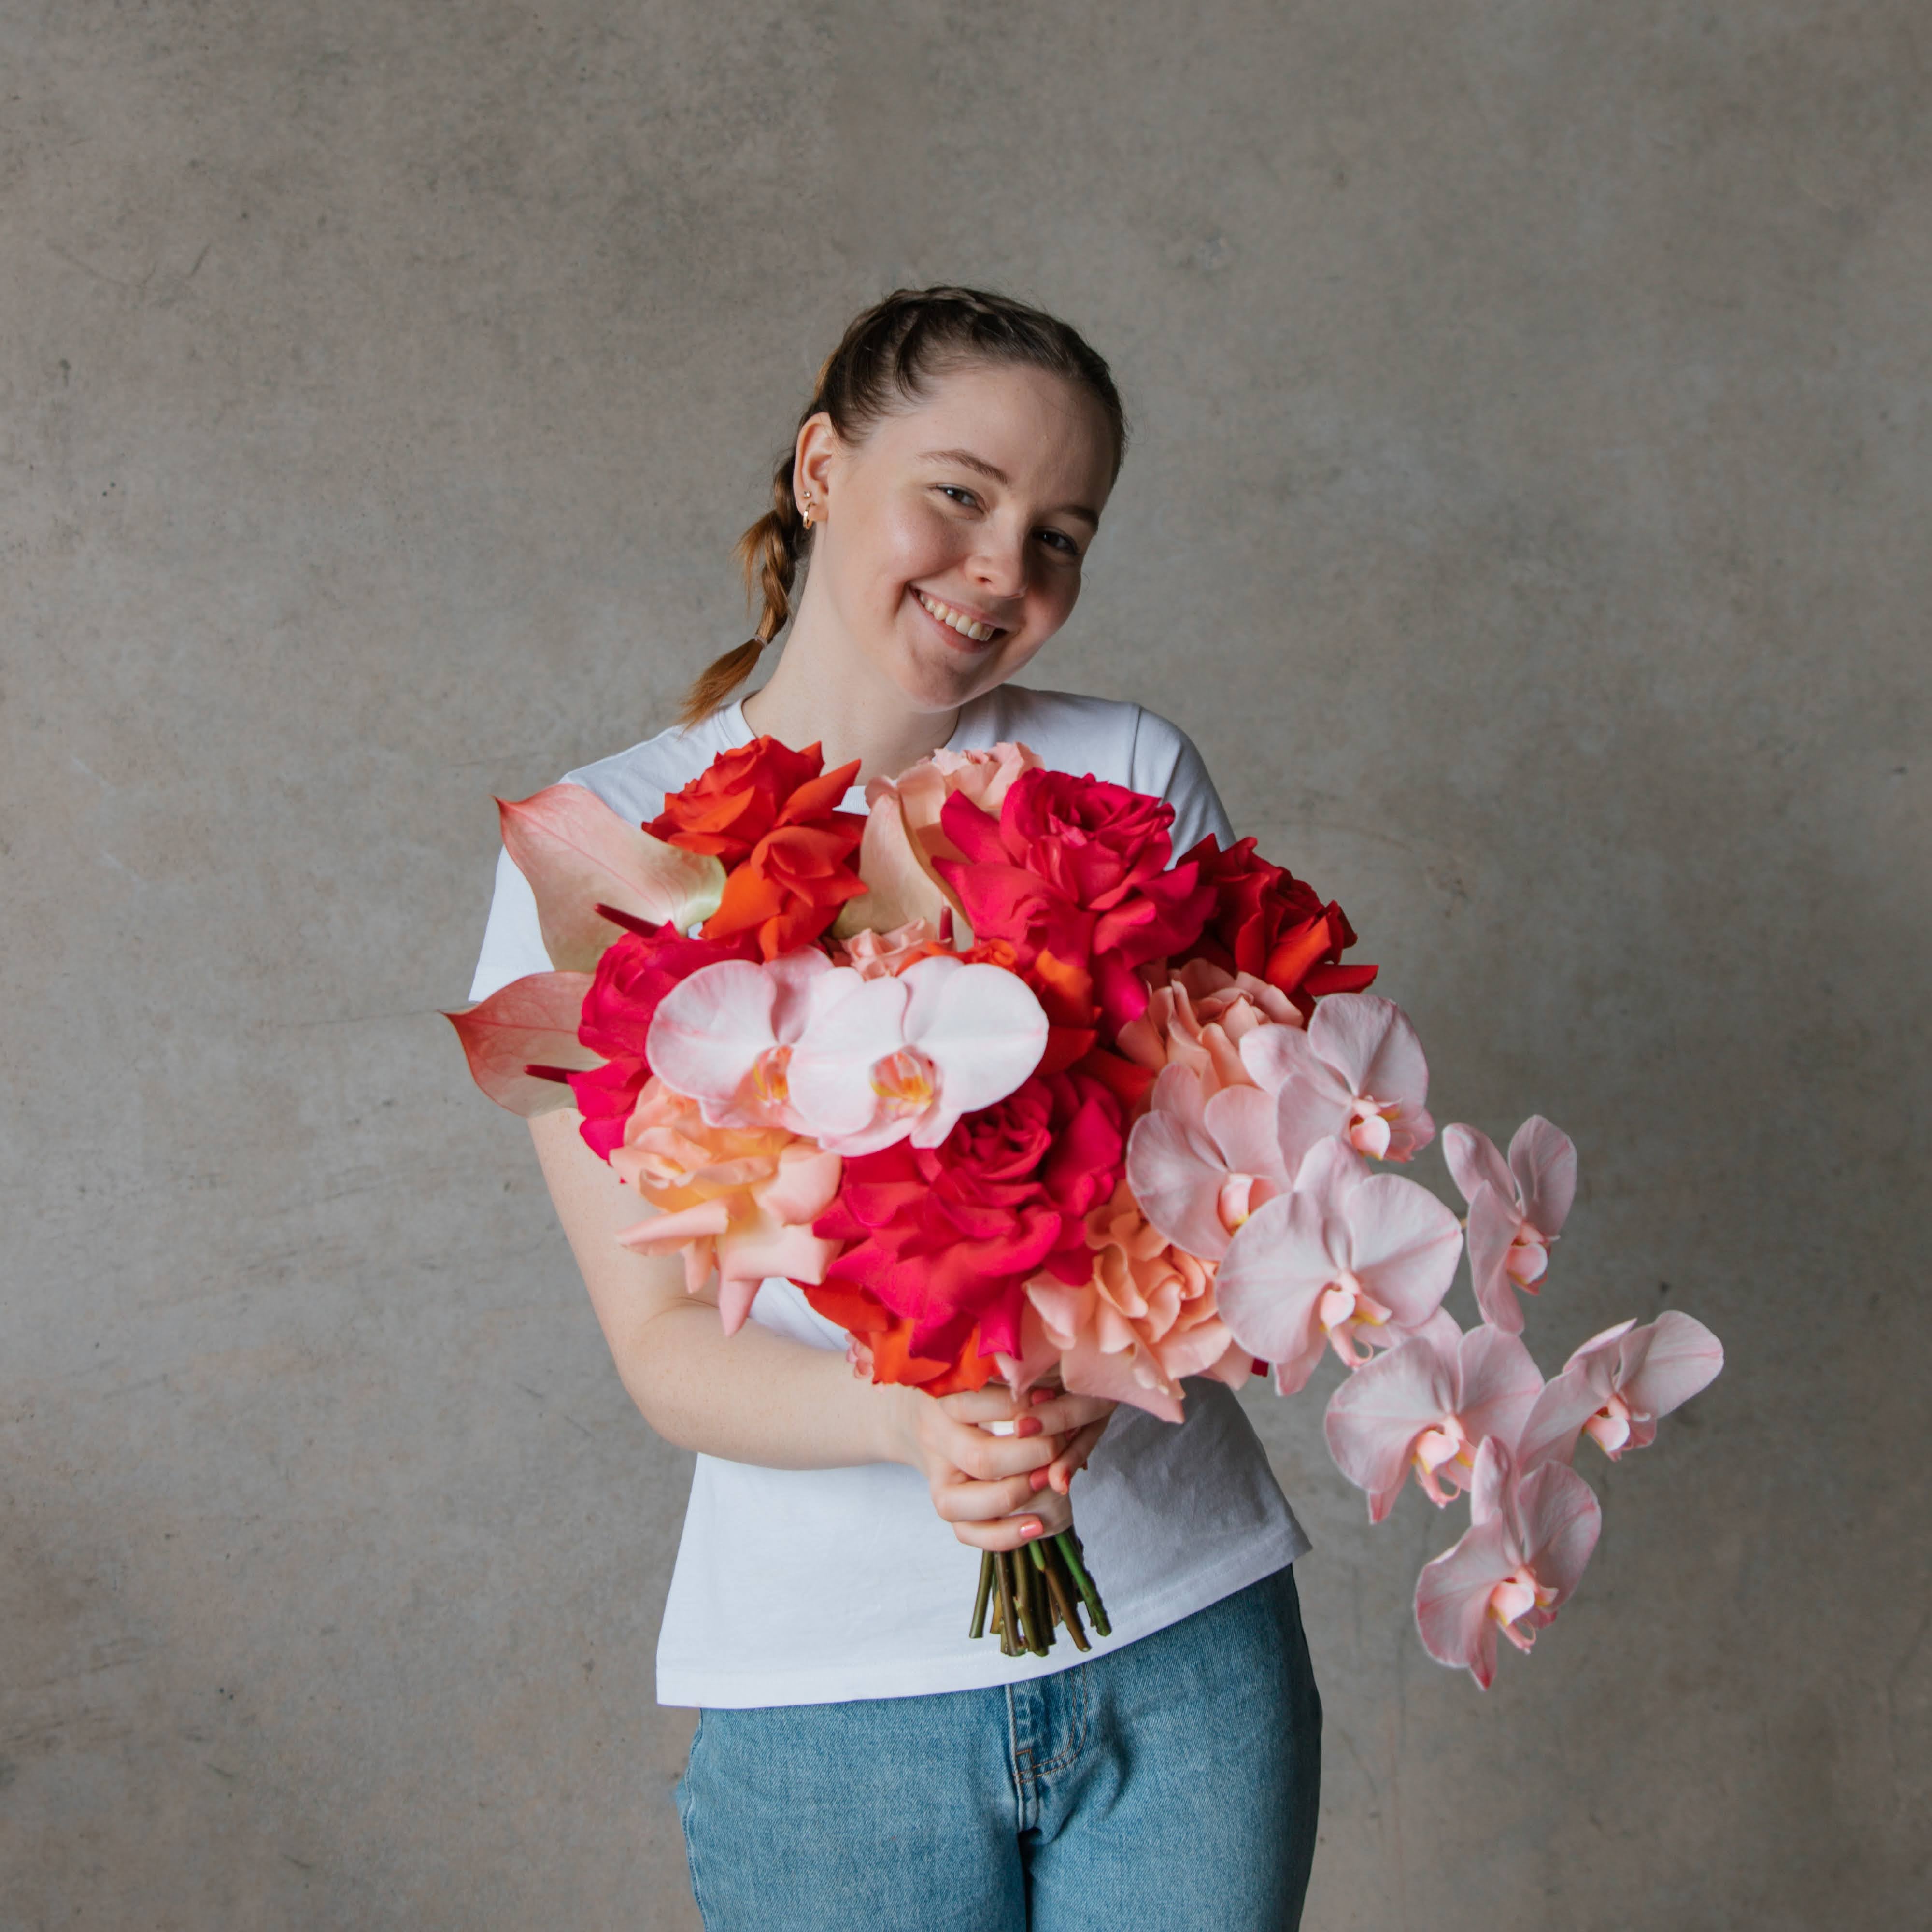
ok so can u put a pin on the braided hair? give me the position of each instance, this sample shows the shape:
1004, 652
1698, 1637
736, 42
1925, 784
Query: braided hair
889, 354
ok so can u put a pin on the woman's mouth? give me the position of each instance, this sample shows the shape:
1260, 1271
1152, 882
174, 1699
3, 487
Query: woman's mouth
962, 623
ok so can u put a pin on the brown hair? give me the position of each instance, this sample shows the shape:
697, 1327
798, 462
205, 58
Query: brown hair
889, 355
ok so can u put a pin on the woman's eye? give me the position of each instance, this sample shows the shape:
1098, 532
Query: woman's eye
959, 496
1060, 542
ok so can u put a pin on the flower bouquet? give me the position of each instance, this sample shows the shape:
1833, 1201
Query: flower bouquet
1006, 1089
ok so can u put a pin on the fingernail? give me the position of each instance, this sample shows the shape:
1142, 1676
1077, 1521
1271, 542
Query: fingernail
1028, 1425
1029, 1530
1039, 1479
1039, 1395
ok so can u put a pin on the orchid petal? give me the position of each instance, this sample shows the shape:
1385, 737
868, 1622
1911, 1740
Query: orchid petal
1543, 1162
1375, 1416
577, 852
1556, 1419
1684, 1357
1274, 1053
1497, 1385
829, 1078
1452, 1601
1270, 1281
1241, 1122
1560, 1520
1311, 1107
1474, 1162
1370, 1042
983, 1028
532, 1021
1176, 1178
710, 1030
1494, 1221
1406, 1245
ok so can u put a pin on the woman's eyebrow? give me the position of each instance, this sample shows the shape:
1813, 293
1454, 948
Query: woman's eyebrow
965, 460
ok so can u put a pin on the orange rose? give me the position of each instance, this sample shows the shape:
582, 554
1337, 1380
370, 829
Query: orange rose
743, 793
770, 814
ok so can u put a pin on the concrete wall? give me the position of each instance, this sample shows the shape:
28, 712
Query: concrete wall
1528, 517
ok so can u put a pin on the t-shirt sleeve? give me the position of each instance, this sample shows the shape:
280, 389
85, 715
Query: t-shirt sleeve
513, 943
1165, 764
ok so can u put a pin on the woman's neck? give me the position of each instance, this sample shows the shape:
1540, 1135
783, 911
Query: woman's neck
820, 696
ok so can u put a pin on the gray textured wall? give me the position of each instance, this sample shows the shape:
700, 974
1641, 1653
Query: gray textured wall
1527, 517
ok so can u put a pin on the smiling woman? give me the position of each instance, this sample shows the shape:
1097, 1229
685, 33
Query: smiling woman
860, 1760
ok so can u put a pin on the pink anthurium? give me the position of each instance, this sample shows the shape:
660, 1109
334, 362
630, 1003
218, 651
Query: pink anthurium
578, 854
532, 1021
1516, 1209
1357, 1073
1529, 1539
1428, 1406
1347, 1255
1618, 1385
1199, 1165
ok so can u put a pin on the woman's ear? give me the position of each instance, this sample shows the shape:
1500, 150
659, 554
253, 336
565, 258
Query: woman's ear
812, 465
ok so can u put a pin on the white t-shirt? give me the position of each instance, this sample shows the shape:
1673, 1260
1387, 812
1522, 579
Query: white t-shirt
807, 1586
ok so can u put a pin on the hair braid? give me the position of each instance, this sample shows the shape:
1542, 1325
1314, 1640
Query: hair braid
769, 553
886, 357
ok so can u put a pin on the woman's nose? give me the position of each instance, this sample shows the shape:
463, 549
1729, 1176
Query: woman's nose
998, 563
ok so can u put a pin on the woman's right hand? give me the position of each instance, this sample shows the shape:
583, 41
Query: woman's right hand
998, 1492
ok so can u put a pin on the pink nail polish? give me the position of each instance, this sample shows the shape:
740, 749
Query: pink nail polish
1039, 1480
1029, 1425
1028, 1530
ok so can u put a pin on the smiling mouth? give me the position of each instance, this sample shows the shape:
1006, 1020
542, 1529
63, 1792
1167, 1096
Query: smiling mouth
968, 627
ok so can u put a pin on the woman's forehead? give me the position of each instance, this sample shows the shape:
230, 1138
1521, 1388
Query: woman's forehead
1026, 428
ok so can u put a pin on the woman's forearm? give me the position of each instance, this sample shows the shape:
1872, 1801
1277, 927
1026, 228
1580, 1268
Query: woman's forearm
756, 1397
751, 1397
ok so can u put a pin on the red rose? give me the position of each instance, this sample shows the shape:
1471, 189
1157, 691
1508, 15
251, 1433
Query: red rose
1267, 923
945, 1238
635, 973
1073, 877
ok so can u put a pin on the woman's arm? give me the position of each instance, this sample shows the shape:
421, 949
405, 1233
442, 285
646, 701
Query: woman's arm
757, 1397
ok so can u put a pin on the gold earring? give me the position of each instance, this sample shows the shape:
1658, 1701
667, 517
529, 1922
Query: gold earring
805, 508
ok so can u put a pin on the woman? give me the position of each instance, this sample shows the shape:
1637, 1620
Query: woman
859, 1762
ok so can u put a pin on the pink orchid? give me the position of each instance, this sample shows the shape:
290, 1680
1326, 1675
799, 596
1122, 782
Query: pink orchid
1356, 1073
724, 1036
1429, 1405
856, 1063
1201, 1163
578, 855
904, 836
1517, 1210
1618, 1385
1347, 1255
1145, 1318
741, 1199
1199, 1020
1530, 1538
532, 1021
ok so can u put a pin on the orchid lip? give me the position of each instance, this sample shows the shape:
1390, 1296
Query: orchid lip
971, 625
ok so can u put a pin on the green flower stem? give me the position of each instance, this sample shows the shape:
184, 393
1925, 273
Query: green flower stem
979, 1629
1069, 1551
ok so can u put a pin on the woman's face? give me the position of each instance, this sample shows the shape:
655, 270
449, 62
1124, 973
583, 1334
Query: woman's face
953, 535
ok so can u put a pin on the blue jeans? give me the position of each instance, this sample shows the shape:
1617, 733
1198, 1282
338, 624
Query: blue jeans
1172, 1784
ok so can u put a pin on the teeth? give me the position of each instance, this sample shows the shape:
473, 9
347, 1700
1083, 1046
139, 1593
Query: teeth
980, 634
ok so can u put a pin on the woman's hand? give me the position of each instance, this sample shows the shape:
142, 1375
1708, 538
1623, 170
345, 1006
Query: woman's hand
999, 1492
